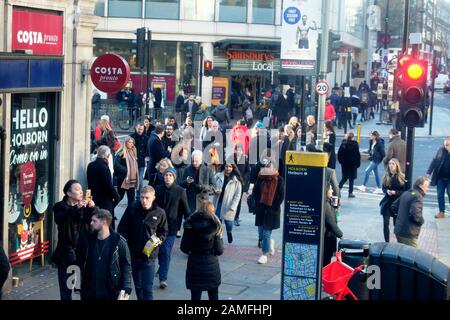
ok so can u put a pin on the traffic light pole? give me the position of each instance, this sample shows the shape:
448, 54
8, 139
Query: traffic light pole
200, 74
149, 67
325, 25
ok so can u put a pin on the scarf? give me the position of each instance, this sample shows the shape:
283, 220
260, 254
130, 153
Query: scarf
132, 178
268, 186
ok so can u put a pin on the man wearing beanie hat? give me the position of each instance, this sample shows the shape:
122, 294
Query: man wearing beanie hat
173, 199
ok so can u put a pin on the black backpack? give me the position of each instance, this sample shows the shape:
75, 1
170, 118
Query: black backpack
221, 115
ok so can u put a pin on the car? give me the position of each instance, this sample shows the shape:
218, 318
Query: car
447, 86
440, 81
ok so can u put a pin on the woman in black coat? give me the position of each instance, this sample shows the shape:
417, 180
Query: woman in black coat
350, 160
393, 187
332, 231
202, 241
268, 193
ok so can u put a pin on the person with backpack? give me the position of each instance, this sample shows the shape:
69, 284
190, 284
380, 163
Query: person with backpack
220, 113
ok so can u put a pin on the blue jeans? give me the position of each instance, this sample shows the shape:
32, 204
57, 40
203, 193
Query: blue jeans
229, 225
143, 274
218, 209
64, 291
265, 235
372, 167
164, 255
141, 182
442, 184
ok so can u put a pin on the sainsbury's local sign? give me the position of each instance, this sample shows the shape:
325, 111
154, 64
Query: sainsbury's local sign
39, 31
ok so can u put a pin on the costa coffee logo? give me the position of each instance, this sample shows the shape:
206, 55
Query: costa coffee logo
33, 37
110, 72
243, 55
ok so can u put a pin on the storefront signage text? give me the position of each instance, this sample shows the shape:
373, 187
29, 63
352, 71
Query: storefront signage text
24, 125
262, 66
241, 55
40, 32
110, 73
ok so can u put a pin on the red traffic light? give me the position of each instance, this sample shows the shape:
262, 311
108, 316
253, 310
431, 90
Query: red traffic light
415, 71
207, 65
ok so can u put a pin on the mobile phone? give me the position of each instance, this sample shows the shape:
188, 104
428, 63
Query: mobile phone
88, 195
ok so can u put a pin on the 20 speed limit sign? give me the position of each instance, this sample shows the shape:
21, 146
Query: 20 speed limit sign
322, 88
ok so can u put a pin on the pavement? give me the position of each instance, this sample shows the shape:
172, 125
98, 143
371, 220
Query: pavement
242, 277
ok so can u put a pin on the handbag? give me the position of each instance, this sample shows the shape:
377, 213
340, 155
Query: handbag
251, 203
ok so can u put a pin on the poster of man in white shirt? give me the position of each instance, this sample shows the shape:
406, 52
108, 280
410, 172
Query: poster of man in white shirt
303, 32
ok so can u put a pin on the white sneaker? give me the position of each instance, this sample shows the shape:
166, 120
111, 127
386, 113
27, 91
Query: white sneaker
272, 247
378, 191
361, 188
262, 259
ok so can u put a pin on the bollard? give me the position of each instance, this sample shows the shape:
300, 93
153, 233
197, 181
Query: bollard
358, 134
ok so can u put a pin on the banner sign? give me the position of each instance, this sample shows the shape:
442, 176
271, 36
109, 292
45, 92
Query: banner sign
303, 225
41, 32
219, 90
110, 72
299, 34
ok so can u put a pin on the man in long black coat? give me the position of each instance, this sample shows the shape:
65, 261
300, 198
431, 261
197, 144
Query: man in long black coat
100, 182
155, 150
350, 159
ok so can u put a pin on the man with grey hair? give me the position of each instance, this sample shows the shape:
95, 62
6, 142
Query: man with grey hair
100, 181
408, 209
440, 175
198, 180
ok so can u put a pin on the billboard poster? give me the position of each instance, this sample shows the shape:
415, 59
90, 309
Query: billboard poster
303, 225
219, 90
30, 174
299, 34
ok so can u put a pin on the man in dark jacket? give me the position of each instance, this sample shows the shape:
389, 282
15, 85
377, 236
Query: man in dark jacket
290, 97
4, 268
220, 113
408, 209
350, 160
440, 171
100, 182
173, 199
141, 141
155, 150
104, 261
144, 225
72, 215
190, 106
396, 149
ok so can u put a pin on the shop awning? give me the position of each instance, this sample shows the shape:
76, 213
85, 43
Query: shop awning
248, 43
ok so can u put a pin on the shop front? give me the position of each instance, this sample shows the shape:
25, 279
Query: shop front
250, 70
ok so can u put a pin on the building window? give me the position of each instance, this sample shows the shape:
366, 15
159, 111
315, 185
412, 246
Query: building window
162, 9
264, 11
100, 8
354, 18
233, 11
125, 8
202, 10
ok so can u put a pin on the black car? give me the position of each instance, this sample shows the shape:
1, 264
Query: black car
447, 86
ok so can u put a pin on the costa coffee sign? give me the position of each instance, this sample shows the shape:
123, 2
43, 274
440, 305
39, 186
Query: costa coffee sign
110, 72
41, 32
249, 55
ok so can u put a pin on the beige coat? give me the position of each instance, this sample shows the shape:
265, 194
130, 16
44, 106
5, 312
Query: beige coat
231, 197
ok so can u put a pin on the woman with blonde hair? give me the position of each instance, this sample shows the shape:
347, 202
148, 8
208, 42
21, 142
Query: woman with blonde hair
157, 178
202, 241
126, 169
394, 184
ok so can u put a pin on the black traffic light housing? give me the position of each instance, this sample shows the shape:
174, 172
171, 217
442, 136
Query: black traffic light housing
334, 43
188, 62
412, 87
207, 68
140, 47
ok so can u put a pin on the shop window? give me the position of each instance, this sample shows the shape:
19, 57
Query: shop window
202, 10
264, 11
162, 9
354, 18
233, 11
100, 8
125, 8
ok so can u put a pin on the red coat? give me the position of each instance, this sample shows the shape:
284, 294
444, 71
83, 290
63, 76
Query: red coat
330, 113
243, 137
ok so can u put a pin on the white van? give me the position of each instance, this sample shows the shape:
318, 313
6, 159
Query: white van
440, 81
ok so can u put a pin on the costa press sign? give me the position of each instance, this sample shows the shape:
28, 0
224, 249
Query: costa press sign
110, 72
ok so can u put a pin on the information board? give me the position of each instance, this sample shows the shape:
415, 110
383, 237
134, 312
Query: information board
303, 225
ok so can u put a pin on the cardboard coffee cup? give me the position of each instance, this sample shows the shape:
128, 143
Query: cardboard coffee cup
15, 282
